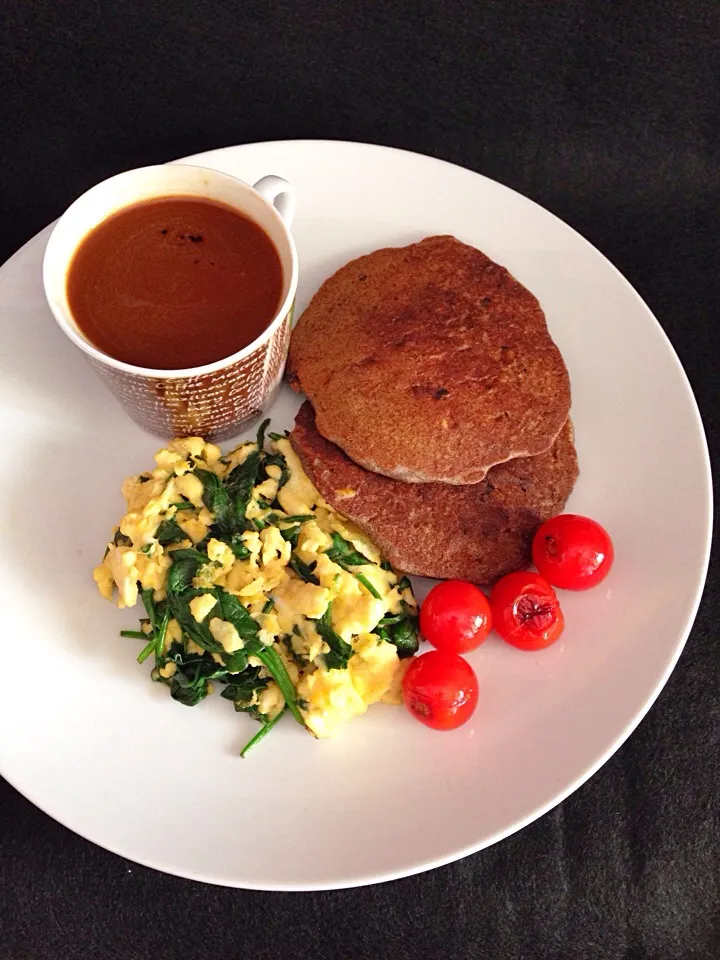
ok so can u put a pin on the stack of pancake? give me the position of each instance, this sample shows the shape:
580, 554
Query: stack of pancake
437, 412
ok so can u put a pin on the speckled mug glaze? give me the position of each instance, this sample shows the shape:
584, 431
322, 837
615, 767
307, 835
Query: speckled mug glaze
215, 400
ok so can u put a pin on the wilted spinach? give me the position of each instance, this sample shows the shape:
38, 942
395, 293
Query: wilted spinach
405, 636
240, 485
303, 570
216, 499
340, 650
241, 689
120, 540
346, 556
262, 732
170, 531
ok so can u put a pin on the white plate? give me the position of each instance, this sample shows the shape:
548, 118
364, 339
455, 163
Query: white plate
91, 741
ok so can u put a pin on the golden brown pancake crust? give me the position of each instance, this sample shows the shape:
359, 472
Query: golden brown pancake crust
430, 363
475, 532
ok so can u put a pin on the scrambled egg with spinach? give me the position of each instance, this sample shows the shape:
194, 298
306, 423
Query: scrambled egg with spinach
251, 580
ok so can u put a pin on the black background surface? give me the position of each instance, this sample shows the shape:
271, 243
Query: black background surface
609, 115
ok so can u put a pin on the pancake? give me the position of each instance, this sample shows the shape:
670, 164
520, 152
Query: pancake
430, 363
474, 532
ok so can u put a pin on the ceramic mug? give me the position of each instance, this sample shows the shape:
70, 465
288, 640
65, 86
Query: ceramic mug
218, 399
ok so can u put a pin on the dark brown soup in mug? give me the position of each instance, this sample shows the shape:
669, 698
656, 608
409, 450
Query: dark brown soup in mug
174, 282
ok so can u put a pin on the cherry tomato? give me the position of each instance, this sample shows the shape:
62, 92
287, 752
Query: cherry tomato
572, 552
525, 611
455, 616
440, 689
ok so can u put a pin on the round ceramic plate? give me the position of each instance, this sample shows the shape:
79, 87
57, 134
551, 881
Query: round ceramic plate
90, 740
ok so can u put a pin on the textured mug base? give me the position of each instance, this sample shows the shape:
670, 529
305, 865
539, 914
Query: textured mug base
215, 405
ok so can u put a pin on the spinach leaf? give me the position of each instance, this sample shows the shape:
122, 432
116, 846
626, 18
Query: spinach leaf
361, 578
179, 604
345, 555
405, 636
159, 617
235, 613
244, 477
185, 564
160, 635
189, 683
183, 505
195, 664
241, 688
216, 499
177, 654
340, 650
170, 531
292, 535
303, 570
190, 689
260, 440
297, 518
235, 662
146, 650
402, 631
120, 540
234, 541
181, 576
240, 485
389, 620
262, 732
277, 460
147, 597
189, 694
289, 650
268, 606
272, 662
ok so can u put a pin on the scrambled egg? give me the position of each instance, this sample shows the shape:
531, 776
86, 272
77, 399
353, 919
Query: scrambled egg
312, 588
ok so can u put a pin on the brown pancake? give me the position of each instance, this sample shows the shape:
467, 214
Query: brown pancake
430, 363
473, 532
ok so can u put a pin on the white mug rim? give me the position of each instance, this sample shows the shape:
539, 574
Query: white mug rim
185, 372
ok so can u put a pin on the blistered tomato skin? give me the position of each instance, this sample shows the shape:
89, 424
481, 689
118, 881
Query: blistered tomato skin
440, 689
526, 611
455, 616
573, 552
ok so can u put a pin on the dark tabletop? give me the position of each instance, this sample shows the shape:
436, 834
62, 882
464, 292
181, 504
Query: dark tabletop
609, 115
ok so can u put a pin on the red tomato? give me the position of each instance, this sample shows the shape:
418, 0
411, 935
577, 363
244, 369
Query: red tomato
455, 616
572, 552
525, 611
440, 689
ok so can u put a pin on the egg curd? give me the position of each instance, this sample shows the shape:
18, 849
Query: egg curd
251, 580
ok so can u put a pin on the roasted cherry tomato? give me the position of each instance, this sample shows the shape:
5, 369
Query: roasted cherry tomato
525, 611
572, 552
440, 689
455, 616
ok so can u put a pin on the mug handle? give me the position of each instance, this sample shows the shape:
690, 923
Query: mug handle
279, 194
